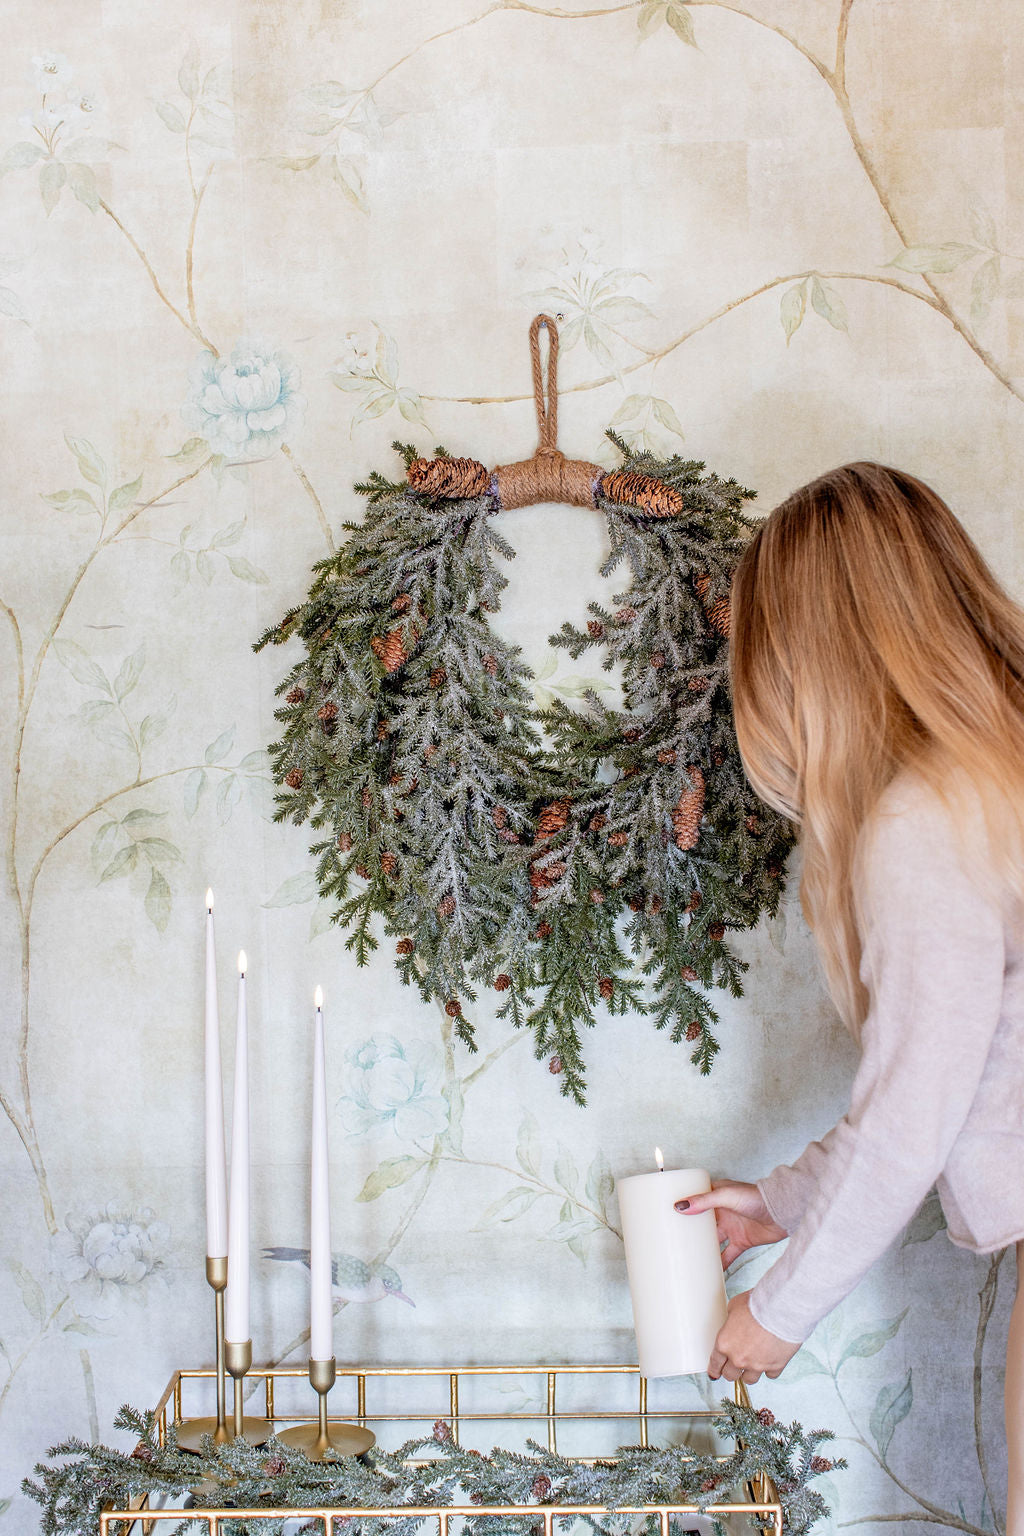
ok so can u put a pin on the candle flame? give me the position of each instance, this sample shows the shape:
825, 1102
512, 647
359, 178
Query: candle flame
318, 999
241, 962
659, 1159
209, 899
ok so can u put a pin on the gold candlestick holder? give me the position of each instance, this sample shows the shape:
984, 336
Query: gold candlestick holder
238, 1359
190, 1433
319, 1438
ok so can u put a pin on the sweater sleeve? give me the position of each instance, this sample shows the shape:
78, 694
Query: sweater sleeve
933, 965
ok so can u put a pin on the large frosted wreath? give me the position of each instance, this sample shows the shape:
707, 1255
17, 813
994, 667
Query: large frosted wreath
565, 859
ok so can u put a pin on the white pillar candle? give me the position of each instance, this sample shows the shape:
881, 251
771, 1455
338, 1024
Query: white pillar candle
321, 1306
216, 1172
236, 1302
675, 1271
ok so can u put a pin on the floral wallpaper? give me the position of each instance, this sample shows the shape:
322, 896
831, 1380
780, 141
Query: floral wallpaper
243, 249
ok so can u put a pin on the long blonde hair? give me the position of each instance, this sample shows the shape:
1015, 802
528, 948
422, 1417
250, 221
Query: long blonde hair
869, 636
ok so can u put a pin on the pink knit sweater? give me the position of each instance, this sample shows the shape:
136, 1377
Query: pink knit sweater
939, 1094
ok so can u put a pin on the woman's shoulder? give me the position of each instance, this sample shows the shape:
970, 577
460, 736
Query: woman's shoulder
927, 828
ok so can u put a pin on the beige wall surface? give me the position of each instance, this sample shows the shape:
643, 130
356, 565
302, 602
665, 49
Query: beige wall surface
781, 235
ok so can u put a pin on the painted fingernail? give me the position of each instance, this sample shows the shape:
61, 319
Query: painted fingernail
682, 1205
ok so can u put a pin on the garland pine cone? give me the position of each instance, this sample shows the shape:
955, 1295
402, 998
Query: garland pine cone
686, 817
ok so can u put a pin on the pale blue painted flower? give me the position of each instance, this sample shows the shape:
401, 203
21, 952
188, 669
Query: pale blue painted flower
245, 405
109, 1253
395, 1083
50, 71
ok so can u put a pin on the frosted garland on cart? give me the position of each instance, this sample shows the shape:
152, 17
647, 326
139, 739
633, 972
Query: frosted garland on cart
563, 859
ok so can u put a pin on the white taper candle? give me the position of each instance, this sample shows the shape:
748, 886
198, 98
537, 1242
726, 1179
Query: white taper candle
675, 1271
236, 1302
321, 1308
216, 1172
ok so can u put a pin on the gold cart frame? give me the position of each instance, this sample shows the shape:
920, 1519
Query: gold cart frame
763, 1498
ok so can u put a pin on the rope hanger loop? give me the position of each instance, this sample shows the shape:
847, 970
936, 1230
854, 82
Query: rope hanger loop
548, 476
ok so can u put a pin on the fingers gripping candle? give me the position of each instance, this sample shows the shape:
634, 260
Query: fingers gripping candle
675, 1270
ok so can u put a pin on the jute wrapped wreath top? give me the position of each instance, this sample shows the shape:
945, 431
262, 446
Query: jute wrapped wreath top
566, 860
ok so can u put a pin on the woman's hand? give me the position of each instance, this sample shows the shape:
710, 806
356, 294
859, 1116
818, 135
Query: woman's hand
743, 1349
741, 1216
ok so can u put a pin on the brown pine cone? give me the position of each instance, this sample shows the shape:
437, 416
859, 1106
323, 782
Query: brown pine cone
649, 495
390, 649
142, 1452
658, 660
710, 1484
490, 664
295, 695
693, 1030
773, 871
688, 973
544, 930
508, 836
702, 584
294, 778
820, 1463
429, 750
404, 947
541, 1486
655, 904
597, 897
442, 1431
382, 730
598, 823
686, 817
555, 1065
553, 818
753, 825
633, 734
543, 876
666, 756
499, 714
618, 839
274, 1466
720, 615
697, 684
402, 603
502, 982
625, 616
366, 797
606, 987
362, 872
345, 842
388, 863
327, 712
449, 477
446, 906
437, 677
695, 903
718, 757
636, 903
765, 1417
453, 1008
595, 629
717, 932
499, 815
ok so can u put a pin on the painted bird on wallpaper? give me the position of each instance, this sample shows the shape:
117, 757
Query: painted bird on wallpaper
351, 1278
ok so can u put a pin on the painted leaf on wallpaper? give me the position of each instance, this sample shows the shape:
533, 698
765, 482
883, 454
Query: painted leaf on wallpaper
90, 463
52, 176
18, 157
82, 181
892, 1405
158, 900
792, 308
294, 891
75, 500
195, 782
124, 495
389, 1174
81, 665
679, 19
804, 1364
129, 673
869, 1343
31, 1291
509, 1206
926, 1223
933, 258
219, 749
984, 287
828, 304
528, 1147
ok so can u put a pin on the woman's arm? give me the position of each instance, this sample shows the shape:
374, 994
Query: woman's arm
933, 963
